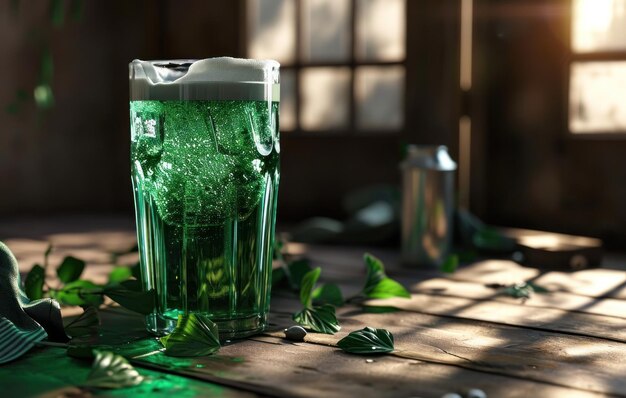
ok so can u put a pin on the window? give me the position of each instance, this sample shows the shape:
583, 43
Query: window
597, 99
342, 62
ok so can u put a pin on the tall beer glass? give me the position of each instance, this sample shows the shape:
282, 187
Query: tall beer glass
205, 171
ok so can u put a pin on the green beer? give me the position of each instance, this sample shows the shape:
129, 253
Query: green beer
205, 175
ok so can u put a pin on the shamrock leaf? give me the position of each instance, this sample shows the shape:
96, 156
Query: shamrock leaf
112, 371
194, 336
523, 290
85, 324
378, 284
320, 319
328, 294
33, 285
70, 269
367, 341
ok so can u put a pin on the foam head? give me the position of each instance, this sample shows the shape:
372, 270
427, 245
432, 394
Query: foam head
211, 78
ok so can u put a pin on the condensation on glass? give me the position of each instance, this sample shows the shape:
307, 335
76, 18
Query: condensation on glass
325, 98
380, 97
380, 30
325, 30
597, 97
272, 30
598, 25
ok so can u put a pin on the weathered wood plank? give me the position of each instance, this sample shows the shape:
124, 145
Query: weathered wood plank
559, 300
573, 361
551, 319
306, 370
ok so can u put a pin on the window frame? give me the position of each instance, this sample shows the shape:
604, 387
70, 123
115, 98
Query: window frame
589, 56
299, 64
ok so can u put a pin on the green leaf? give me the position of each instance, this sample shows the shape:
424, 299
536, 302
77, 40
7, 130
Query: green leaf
320, 319
44, 98
70, 269
306, 290
194, 336
328, 294
367, 341
112, 371
120, 274
296, 271
80, 292
128, 295
523, 290
378, 284
376, 309
450, 264
85, 324
33, 285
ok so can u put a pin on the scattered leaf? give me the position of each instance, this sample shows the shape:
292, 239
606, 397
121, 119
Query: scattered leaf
70, 269
450, 264
367, 341
522, 290
85, 324
320, 319
128, 296
378, 284
194, 336
375, 309
328, 294
120, 274
80, 292
112, 371
33, 285
308, 283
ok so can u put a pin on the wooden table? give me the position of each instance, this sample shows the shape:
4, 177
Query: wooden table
453, 334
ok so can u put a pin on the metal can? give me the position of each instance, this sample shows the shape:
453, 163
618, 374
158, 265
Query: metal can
427, 204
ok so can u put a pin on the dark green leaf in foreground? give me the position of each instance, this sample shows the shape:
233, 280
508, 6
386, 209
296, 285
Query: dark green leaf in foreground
85, 324
378, 284
367, 341
328, 294
450, 264
80, 292
308, 283
120, 274
112, 371
194, 336
33, 285
320, 319
129, 295
70, 269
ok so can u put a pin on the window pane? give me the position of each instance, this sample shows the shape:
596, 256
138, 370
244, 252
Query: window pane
599, 25
598, 97
380, 97
287, 100
272, 30
325, 30
325, 96
380, 27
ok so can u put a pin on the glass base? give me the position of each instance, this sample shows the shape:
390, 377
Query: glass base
229, 328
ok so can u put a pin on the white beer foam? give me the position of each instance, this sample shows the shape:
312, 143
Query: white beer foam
152, 80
